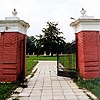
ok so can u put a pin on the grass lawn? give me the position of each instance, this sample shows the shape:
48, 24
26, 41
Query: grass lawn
30, 63
92, 85
42, 57
6, 89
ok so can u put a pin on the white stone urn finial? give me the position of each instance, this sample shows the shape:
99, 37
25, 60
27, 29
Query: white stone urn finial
14, 12
83, 12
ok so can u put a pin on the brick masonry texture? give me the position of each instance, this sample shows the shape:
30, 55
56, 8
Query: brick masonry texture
12, 56
88, 54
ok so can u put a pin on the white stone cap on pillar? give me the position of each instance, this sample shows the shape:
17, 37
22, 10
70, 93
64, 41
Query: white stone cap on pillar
12, 18
13, 24
86, 23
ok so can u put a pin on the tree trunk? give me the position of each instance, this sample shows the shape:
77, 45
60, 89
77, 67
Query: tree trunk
51, 53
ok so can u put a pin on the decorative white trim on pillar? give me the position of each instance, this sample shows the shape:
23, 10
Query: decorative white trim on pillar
86, 23
13, 24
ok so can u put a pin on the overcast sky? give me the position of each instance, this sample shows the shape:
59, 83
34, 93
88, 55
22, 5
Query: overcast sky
38, 12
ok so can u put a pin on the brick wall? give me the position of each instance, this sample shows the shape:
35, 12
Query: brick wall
88, 54
1, 52
10, 56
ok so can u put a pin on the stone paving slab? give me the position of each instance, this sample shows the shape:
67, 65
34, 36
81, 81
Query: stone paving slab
46, 85
22, 94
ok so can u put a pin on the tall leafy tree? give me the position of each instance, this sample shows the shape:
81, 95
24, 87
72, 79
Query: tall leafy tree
30, 44
39, 44
51, 38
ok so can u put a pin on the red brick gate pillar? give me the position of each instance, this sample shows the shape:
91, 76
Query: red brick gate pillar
12, 48
87, 31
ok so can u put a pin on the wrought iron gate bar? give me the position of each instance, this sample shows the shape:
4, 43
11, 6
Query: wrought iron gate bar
66, 65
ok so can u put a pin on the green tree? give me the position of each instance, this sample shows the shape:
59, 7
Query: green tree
51, 38
39, 44
70, 47
30, 45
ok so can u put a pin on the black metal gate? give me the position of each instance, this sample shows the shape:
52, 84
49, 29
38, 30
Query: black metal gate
67, 61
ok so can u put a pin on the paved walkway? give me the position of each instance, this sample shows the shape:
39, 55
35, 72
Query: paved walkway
46, 85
